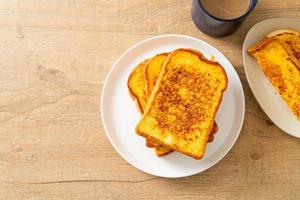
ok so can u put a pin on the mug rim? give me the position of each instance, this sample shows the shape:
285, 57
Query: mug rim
250, 8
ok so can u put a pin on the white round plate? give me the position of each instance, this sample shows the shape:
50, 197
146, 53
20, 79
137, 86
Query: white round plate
265, 94
120, 114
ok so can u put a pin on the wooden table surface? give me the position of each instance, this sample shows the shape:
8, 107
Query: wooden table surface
54, 57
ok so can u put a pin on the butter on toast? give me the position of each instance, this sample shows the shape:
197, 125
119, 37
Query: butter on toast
181, 110
278, 55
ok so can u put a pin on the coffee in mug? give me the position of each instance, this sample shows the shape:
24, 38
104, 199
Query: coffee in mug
226, 9
221, 17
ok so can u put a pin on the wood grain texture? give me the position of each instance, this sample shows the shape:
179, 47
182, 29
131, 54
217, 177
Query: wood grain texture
54, 56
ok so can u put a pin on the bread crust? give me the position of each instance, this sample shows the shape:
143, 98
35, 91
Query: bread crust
281, 31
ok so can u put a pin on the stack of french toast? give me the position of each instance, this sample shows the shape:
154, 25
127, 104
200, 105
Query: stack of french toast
278, 55
178, 94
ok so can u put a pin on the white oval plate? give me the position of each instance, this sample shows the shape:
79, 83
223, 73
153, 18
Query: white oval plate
266, 95
120, 115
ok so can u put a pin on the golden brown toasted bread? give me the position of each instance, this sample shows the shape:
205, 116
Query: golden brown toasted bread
137, 89
181, 109
136, 85
278, 55
152, 71
290, 40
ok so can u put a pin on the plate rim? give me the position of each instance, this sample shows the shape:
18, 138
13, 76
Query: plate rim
104, 88
247, 75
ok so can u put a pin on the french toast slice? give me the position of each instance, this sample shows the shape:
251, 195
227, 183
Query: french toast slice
137, 90
278, 56
136, 85
181, 109
290, 40
152, 71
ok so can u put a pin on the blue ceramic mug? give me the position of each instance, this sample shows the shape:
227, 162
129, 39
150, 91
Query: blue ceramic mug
215, 26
